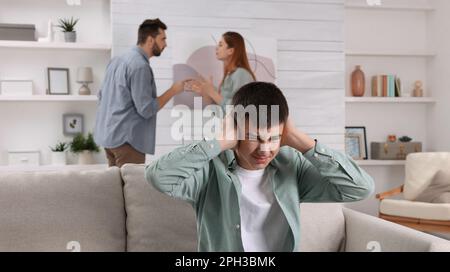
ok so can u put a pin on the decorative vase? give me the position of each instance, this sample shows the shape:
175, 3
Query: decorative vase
59, 158
358, 82
86, 157
70, 36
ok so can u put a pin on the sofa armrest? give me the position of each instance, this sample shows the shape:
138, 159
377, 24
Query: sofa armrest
322, 227
369, 233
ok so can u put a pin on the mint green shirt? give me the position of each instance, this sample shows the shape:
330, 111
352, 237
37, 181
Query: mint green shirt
203, 175
232, 83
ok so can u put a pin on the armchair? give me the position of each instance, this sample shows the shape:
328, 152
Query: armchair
425, 173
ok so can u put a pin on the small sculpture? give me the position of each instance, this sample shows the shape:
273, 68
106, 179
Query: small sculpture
392, 138
418, 91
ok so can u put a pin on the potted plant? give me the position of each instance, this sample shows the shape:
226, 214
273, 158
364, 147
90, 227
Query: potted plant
59, 153
68, 27
85, 148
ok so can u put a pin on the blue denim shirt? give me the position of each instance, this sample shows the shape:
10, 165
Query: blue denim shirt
127, 103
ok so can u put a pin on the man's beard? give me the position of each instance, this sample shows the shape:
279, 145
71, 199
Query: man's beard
156, 51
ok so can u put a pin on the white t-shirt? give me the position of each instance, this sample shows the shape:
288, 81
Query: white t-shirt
263, 224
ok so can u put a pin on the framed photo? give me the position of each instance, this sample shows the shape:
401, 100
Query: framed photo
356, 142
353, 146
73, 124
58, 81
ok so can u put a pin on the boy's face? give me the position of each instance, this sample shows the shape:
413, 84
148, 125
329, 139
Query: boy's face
259, 147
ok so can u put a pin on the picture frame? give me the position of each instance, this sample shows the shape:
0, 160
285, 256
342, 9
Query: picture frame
353, 146
58, 81
360, 151
73, 124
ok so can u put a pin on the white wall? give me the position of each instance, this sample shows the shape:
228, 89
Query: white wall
439, 116
38, 125
310, 59
310, 51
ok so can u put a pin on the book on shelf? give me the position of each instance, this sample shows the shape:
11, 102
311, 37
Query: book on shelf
398, 87
386, 86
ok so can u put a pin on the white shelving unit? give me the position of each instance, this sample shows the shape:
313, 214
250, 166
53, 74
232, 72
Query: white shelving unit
54, 45
49, 98
76, 167
386, 6
391, 39
380, 163
400, 54
373, 41
35, 121
407, 100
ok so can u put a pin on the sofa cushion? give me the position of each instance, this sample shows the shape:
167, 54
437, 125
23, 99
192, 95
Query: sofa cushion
420, 169
45, 211
414, 209
155, 222
322, 227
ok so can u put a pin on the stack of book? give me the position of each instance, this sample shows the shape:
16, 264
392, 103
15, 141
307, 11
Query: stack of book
386, 86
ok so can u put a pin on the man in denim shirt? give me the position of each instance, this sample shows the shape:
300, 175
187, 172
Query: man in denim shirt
246, 192
128, 102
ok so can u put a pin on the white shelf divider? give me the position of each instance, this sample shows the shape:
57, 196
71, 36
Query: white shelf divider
401, 54
385, 6
55, 45
38, 168
49, 98
380, 162
428, 100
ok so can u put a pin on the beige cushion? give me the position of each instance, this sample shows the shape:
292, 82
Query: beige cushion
439, 189
45, 211
322, 227
155, 222
420, 169
414, 209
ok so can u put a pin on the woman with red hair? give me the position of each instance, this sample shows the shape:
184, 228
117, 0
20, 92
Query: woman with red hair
236, 70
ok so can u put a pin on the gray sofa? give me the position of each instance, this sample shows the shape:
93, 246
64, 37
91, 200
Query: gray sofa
117, 210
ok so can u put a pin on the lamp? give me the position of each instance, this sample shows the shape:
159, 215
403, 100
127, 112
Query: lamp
84, 76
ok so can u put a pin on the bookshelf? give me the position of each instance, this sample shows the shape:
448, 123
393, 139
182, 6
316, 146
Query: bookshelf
39, 168
392, 39
381, 163
35, 121
400, 54
406, 100
389, 39
49, 98
389, 7
54, 45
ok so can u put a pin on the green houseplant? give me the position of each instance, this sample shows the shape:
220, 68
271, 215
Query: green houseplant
59, 147
68, 27
59, 153
84, 147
